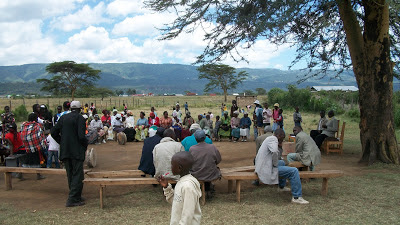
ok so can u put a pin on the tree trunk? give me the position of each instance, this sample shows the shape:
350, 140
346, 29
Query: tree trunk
370, 54
225, 95
72, 94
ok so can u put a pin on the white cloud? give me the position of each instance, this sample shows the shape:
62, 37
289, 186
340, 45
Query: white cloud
125, 7
142, 25
84, 17
19, 10
92, 38
259, 55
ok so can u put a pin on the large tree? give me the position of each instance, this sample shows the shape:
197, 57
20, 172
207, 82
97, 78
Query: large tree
69, 76
221, 76
362, 35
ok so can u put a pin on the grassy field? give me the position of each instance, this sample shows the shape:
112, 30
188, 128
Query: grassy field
370, 198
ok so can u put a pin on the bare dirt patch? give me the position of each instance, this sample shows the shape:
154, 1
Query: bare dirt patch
52, 192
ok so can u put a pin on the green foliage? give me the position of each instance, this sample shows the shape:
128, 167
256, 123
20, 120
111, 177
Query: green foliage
261, 91
69, 76
397, 117
249, 92
309, 24
306, 101
353, 113
221, 76
91, 91
20, 113
276, 95
119, 92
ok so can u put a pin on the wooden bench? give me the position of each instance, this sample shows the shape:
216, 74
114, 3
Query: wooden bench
238, 169
103, 182
9, 170
240, 176
114, 174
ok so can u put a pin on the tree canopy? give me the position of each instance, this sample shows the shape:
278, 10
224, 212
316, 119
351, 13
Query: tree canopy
314, 26
221, 76
69, 76
362, 35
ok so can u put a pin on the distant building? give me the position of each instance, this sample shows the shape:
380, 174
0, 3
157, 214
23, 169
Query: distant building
190, 94
179, 95
235, 94
213, 94
334, 88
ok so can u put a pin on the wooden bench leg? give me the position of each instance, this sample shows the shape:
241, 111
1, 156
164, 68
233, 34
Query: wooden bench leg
238, 190
203, 194
324, 190
101, 196
8, 180
230, 184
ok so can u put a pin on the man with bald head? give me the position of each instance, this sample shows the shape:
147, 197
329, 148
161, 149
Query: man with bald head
206, 160
185, 197
271, 169
307, 152
163, 153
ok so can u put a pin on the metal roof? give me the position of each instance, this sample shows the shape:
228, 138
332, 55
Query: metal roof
334, 88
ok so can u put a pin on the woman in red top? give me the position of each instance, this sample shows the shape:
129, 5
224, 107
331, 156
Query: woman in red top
154, 120
106, 118
14, 140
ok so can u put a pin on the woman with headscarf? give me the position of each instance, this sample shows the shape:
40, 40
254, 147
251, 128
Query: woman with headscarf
225, 128
235, 122
187, 122
177, 125
141, 128
234, 107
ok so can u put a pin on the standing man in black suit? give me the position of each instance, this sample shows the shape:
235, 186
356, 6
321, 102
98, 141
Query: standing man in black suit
69, 132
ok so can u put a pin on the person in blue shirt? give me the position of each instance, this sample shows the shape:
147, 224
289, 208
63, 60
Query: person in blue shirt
245, 123
191, 140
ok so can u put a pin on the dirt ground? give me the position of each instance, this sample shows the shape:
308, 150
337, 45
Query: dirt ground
52, 192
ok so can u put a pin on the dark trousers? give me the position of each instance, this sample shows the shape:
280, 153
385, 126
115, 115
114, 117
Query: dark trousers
314, 133
75, 176
319, 139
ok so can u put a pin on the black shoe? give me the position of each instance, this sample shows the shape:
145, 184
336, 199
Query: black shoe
83, 199
69, 204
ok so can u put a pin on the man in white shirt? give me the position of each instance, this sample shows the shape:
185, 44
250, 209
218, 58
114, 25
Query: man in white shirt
163, 153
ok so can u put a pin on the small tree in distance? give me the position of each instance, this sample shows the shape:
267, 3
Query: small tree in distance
221, 76
69, 75
261, 91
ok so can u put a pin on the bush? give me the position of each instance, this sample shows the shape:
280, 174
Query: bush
397, 117
353, 113
20, 113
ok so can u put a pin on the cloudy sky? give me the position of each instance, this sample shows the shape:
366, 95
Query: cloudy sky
45, 31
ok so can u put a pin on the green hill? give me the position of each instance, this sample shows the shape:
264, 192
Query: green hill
159, 78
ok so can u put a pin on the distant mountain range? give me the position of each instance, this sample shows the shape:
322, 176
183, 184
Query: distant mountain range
161, 78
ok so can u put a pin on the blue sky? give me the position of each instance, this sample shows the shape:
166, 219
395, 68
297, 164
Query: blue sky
110, 31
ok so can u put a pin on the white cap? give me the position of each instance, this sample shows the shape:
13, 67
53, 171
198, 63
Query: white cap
75, 105
256, 102
194, 126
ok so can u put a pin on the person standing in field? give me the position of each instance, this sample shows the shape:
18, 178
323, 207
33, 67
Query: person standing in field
186, 107
69, 132
234, 108
267, 115
297, 117
275, 115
